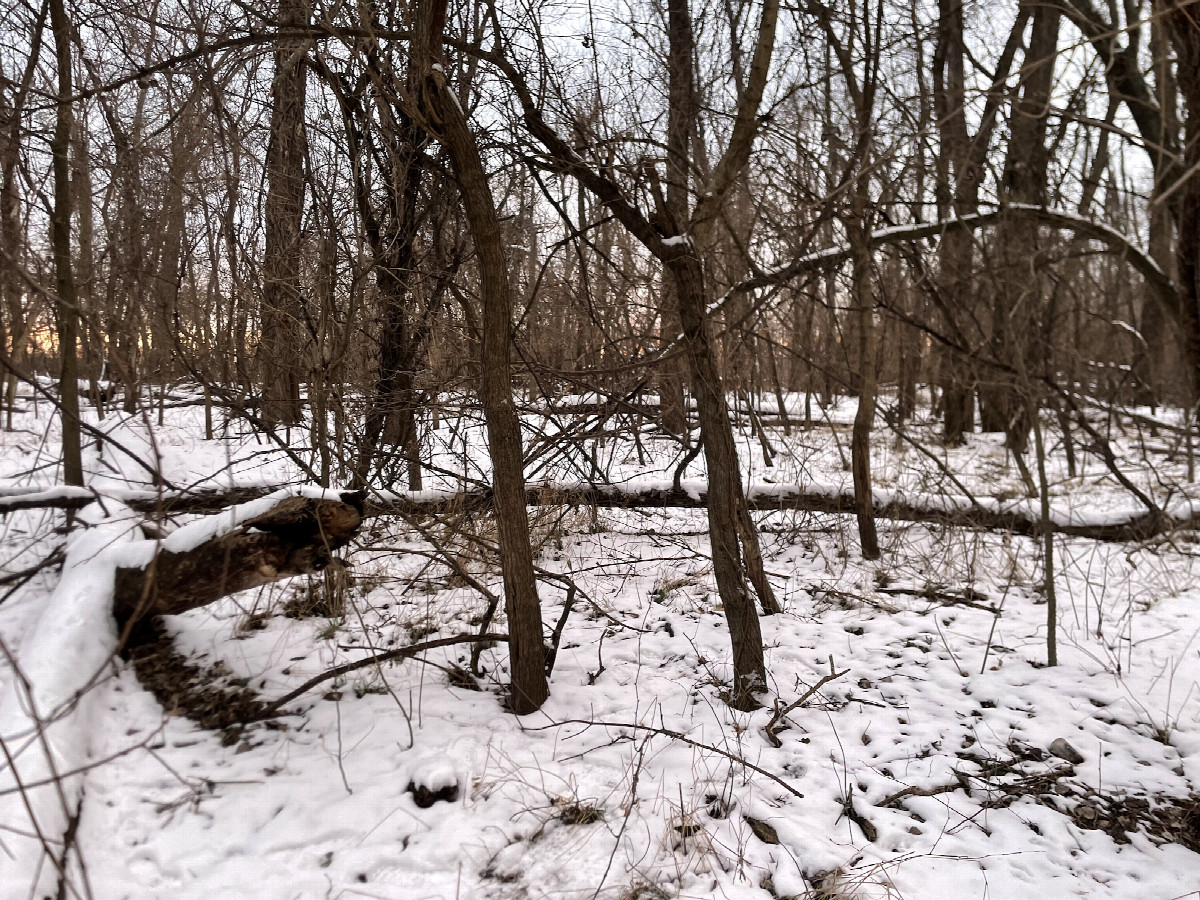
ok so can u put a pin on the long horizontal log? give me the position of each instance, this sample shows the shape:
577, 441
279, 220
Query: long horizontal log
65, 497
932, 509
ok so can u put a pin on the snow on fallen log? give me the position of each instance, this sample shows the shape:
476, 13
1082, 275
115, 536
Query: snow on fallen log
48, 708
62, 497
948, 510
53, 695
254, 544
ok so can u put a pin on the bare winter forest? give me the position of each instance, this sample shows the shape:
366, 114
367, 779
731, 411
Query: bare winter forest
628, 449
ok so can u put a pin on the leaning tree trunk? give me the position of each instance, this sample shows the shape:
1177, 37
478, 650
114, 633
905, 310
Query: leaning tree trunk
731, 530
297, 536
726, 503
441, 112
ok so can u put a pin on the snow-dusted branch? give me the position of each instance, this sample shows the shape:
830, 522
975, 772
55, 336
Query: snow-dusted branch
1117, 242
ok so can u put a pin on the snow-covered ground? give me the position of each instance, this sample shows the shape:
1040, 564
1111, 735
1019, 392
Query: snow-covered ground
922, 768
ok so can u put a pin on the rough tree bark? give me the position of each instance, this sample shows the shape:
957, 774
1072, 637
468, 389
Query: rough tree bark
1184, 27
960, 171
1017, 294
67, 309
725, 502
864, 417
439, 110
281, 340
296, 537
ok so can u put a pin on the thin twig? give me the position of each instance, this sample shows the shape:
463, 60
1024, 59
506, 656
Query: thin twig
556, 638
780, 712
678, 736
914, 791
375, 659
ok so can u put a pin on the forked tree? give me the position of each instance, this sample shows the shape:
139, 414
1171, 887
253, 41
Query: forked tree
437, 108
677, 234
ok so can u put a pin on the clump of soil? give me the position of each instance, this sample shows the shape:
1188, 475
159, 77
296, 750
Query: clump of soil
209, 695
425, 797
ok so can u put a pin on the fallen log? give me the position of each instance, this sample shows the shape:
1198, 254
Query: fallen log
297, 536
948, 511
195, 500
945, 511
64, 497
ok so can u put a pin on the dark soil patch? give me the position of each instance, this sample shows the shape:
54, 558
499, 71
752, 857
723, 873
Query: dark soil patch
1161, 817
209, 695
1164, 819
579, 814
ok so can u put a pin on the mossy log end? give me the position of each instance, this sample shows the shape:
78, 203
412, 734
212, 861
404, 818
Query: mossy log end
297, 536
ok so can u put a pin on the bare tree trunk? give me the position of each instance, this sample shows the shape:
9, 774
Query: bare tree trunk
857, 222
672, 403
169, 270
1018, 300
14, 320
864, 418
67, 310
281, 340
777, 388
730, 527
392, 413
725, 524
960, 171
85, 261
957, 192
441, 112
1148, 362
1185, 37
680, 115
380, 132
909, 372
675, 243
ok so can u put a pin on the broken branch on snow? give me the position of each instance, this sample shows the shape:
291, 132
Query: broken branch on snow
297, 536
